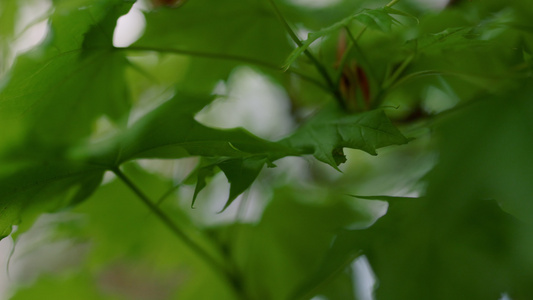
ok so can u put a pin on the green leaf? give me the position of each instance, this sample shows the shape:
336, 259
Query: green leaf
241, 173
28, 188
300, 226
127, 250
336, 261
428, 248
423, 250
393, 11
52, 96
378, 19
232, 33
451, 37
202, 172
170, 131
230, 27
74, 76
313, 36
329, 131
499, 169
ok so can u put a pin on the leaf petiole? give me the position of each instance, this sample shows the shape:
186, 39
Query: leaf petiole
392, 3
320, 68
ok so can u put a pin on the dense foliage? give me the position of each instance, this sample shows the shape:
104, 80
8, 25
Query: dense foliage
122, 146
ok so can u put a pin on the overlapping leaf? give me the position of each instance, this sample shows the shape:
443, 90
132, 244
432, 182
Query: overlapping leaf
74, 76
436, 250
170, 131
240, 172
123, 242
31, 187
292, 225
379, 19
219, 35
431, 246
51, 97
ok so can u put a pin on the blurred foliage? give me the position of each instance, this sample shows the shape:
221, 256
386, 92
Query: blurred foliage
443, 212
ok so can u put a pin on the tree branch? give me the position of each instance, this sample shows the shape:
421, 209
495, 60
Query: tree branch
170, 224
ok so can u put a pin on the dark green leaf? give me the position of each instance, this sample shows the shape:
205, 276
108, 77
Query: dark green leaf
373, 18
313, 36
378, 19
241, 173
72, 77
52, 97
299, 227
31, 187
170, 131
422, 251
232, 33
485, 152
332, 129
430, 247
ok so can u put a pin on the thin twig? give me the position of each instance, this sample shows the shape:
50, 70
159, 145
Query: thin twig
219, 56
320, 68
392, 3
228, 57
170, 224
168, 193
227, 275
